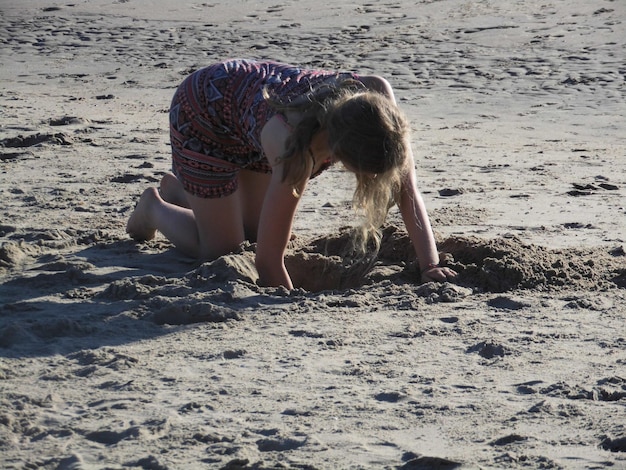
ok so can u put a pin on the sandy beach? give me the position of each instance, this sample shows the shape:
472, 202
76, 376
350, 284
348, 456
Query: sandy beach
116, 354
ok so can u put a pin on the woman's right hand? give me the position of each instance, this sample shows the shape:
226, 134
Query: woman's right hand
438, 273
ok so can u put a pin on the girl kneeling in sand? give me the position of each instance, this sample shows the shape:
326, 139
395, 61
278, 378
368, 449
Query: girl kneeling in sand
246, 137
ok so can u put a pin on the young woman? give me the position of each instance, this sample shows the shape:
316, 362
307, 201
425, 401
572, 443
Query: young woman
246, 137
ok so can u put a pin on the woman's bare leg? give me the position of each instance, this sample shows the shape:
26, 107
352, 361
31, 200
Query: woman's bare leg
152, 213
172, 191
219, 224
211, 228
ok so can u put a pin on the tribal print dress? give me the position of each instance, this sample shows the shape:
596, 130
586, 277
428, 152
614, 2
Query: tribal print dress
217, 115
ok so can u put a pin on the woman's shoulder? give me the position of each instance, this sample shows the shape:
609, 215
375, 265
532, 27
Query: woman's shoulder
377, 83
274, 135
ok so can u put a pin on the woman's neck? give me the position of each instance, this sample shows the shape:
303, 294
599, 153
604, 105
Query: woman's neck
319, 149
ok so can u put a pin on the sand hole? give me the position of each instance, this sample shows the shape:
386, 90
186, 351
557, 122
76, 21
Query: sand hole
330, 262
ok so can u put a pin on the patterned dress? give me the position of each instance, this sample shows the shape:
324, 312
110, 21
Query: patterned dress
217, 115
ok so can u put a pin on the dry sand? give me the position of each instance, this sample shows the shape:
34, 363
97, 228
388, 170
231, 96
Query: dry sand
117, 355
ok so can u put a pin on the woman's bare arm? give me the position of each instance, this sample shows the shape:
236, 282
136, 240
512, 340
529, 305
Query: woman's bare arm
279, 208
417, 223
278, 212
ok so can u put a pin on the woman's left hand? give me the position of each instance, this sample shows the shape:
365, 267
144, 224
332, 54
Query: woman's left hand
438, 273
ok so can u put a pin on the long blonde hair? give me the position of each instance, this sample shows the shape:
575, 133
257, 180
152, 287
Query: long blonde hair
367, 132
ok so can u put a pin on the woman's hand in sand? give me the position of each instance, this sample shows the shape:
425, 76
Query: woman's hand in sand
438, 273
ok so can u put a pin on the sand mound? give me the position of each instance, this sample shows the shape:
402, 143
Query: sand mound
497, 265
505, 264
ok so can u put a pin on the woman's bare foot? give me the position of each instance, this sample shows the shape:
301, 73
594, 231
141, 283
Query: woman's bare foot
138, 226
172, 191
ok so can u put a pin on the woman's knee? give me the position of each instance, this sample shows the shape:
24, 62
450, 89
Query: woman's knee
219, 223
